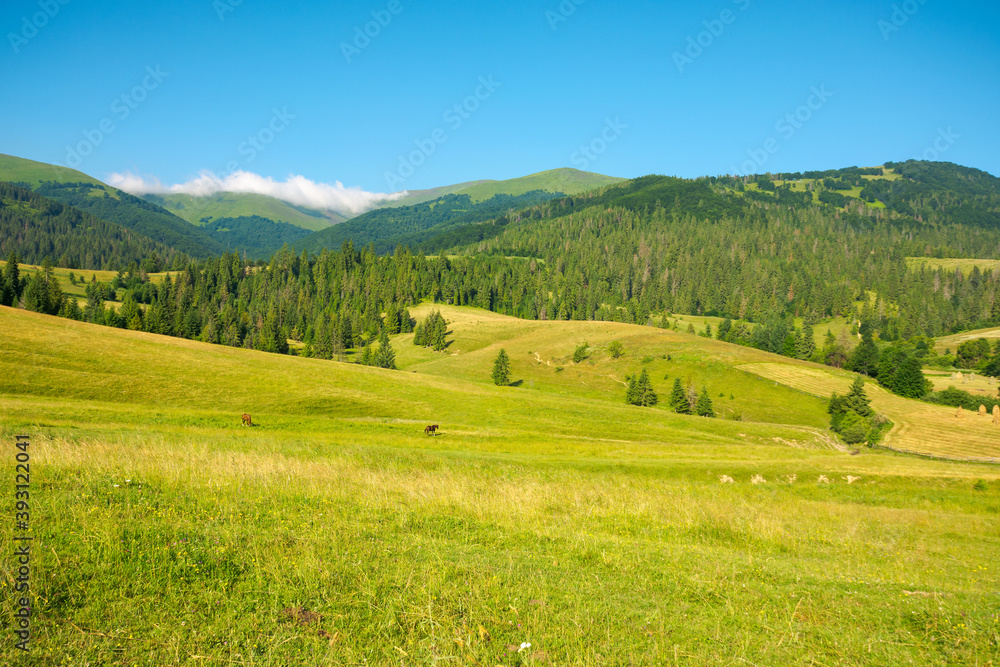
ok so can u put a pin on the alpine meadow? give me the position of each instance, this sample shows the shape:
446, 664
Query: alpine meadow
550, 334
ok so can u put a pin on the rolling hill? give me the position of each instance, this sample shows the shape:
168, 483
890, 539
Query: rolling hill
549, 514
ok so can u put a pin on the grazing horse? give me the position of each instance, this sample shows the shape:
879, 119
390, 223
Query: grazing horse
246, 420
431, 430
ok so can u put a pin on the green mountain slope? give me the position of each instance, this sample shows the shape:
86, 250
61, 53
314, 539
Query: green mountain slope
422, 224
198, 210
254, 236
85, 193
36, 228
21, 170
565, 180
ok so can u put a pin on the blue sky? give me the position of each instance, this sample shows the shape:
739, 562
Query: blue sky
170, 91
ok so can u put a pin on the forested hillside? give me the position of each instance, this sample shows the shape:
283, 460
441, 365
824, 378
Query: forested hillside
428, 225
253, 235
635, 252
36, 228
133, 213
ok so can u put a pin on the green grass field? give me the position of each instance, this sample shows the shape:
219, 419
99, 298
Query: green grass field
952, 264
335, 532
18, 169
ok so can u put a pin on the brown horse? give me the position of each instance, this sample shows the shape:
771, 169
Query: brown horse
431, 430
246, 420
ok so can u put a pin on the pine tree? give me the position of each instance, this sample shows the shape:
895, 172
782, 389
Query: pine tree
10, 282
857, 400
501, 369
366, 355
864, 359
679, 399
724, 329
805, 346
385, 356
632, 391
438, 342
640, 391
703, 408
646, 395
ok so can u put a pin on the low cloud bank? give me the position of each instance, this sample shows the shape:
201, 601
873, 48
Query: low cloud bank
297, 190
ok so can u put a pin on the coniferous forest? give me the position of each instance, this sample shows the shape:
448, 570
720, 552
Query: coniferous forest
635, 252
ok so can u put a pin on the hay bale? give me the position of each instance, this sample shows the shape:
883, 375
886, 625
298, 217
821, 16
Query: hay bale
996, 414
958, 413
982, 410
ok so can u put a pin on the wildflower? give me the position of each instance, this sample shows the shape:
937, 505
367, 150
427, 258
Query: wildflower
524, 645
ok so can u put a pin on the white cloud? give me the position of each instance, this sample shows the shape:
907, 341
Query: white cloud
297, 190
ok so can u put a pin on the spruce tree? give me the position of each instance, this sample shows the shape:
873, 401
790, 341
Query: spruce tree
857, 400
805, 346
679, 399
501, 369
385, 356
703, 408
724, 329
645, 393
864, 359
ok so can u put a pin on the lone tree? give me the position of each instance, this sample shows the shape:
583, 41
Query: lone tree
501, 369
615, 349
852, 416
580, 353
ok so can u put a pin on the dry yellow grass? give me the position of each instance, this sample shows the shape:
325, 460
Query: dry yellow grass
918, 427
975, 384
952, 342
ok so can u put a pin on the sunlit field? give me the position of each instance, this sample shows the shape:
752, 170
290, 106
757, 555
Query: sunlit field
548, 523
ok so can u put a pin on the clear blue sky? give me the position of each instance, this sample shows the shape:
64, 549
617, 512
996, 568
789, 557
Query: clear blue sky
896, 80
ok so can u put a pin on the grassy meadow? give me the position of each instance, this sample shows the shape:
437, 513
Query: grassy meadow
78, 291
334, 532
